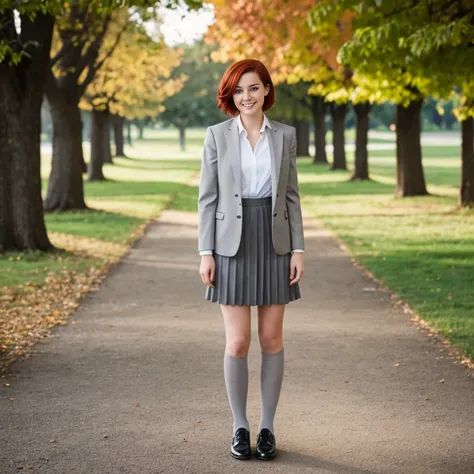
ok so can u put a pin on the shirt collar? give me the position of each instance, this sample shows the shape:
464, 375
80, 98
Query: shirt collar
241, 128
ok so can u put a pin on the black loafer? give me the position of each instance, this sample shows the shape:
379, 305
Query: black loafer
240, 448
266, 445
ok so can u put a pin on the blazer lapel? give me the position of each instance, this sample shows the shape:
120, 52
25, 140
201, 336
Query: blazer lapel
233, 151
275, 143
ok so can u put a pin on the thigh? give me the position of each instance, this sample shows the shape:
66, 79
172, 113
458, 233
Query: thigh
237, 322
270, 322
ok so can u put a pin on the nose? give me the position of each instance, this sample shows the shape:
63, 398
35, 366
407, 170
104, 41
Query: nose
246, 95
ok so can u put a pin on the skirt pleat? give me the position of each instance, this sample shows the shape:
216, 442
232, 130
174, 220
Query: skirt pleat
256, 275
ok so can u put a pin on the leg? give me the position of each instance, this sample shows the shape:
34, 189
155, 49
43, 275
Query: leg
237, 331
270, 333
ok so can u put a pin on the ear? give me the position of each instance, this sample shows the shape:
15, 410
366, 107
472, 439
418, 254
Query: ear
267, 89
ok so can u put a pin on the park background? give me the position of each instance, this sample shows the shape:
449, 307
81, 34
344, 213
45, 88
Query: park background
382, 97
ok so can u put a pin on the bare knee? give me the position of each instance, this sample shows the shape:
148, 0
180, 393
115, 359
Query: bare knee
270, 343
237, 346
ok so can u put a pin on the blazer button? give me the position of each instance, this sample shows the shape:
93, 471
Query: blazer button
278, 195
238, 217
274, 215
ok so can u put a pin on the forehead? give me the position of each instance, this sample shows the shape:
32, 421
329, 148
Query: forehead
248, 79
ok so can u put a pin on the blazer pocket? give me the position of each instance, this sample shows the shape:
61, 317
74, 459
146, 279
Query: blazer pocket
286, 215
219, 215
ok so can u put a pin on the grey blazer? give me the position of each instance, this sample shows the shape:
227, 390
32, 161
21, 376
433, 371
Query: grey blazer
220, 204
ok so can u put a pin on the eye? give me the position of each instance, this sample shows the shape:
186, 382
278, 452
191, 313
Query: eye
238, 91
255, 88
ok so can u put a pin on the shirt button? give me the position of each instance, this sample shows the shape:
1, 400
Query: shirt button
238, 217
236, 195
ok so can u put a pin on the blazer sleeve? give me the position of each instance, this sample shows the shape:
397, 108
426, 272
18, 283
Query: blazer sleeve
208, 194
293, 200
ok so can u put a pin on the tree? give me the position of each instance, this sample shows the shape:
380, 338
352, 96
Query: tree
24, 57
75, 63
381, 73
24, 62
191, 106
133, 83
416, 40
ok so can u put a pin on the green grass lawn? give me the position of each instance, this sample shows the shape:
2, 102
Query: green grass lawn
421, 248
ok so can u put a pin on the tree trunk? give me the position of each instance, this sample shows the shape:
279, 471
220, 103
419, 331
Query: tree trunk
318, 106
182, 138
302, 137
410, 177
129, 133
361, 162
22, 224
140, 129
107, 157
338, 114
65, 187
99, 137
466, 194
118, 123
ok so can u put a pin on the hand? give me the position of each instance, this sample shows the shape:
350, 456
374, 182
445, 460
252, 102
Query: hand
296, 267
207, 270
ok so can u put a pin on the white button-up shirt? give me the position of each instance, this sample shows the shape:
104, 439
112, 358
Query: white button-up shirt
255, 166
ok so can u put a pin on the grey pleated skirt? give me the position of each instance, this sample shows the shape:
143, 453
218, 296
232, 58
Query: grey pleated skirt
256, 275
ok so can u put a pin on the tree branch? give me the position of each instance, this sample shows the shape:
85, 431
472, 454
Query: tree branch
413, 4
95, 67
92, 52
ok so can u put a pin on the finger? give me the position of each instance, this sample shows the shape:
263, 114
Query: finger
205, 278
210, 277
297, 277
213, 274
292, 271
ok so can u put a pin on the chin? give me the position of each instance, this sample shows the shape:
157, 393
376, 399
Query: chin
251, 112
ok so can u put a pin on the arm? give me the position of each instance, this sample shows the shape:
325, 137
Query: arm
293, 201
208, 194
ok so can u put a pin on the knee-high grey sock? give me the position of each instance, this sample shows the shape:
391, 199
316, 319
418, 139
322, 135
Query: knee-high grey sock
271, 378
236, 377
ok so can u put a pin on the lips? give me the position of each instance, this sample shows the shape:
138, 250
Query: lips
248, 106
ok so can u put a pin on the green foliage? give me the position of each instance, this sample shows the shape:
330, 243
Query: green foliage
196, 102
400, 50
14, 48
292, 102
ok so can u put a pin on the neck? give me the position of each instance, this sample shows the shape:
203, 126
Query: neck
254, 122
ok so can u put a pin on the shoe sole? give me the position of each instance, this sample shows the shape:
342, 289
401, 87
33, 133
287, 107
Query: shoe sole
240, 458
265, 458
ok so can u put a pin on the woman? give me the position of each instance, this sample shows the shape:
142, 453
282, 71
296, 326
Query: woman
250, 239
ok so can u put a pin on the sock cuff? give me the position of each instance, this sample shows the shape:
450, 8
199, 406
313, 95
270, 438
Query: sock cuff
235, 357
268, 354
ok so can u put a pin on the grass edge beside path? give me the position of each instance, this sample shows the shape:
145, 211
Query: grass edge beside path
442, 342
29, 311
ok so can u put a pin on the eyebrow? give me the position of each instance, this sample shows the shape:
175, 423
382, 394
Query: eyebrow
251, 85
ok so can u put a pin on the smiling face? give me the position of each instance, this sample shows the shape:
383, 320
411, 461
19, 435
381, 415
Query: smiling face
250, 93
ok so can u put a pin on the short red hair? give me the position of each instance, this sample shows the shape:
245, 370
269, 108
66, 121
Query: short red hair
231, 78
